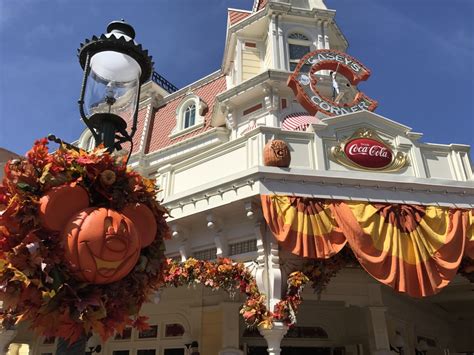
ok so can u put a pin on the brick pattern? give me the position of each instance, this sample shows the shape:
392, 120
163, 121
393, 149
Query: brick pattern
163, 120
139, 133
237, 16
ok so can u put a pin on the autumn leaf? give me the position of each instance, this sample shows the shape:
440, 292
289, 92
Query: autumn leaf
141, 323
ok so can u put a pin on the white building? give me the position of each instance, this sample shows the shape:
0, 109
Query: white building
204, 144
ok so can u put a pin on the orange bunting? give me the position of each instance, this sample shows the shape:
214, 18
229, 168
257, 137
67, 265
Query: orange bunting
413, 249
303, 226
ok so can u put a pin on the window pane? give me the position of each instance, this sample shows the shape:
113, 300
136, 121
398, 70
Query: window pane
150, 333
174, 352
127, 334
121, 352
304, 69
297, 51
146, 352
174, 330
49, 340
189, 116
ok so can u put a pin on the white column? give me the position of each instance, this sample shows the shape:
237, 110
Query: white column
416, 160
273, 337
319, 26
271, 104
238, 62
326, 35
377, 322
164, 180
230, 327
179, 233
6, 336
378, 330
262, 282
273, 35
281, 46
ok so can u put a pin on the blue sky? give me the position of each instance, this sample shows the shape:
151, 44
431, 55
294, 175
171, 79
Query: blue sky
421, 53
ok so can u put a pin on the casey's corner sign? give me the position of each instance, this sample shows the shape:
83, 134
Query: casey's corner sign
304, 83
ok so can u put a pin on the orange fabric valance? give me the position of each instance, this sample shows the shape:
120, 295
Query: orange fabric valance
305, 227
413, 249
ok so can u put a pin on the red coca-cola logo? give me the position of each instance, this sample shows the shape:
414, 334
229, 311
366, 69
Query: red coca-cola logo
368, 153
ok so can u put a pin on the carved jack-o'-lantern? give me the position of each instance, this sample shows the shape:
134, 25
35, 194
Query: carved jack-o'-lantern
276, 153
101, 245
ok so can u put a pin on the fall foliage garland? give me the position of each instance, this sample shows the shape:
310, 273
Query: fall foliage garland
224, 274
35, 280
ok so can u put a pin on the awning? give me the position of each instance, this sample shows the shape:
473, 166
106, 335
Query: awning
298, 121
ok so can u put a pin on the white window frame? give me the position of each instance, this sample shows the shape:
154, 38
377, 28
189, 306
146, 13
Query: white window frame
188, 101
308, 42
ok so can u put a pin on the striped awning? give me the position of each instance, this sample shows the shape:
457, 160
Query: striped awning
298, 121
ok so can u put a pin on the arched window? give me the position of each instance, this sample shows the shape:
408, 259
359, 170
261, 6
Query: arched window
189, 116
298, 46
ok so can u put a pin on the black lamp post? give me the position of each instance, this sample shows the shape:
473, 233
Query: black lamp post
114, 67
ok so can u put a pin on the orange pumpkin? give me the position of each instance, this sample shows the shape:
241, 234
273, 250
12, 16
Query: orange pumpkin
276, 153
101, 245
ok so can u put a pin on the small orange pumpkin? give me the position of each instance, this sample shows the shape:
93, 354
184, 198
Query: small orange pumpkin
276, 153
101, 245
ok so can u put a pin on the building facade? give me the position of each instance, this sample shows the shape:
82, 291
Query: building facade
204, 144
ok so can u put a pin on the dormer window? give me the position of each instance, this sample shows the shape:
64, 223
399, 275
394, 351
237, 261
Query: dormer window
189, 115
298, 46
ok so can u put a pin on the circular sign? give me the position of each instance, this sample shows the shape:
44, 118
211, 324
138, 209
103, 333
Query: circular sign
368, 153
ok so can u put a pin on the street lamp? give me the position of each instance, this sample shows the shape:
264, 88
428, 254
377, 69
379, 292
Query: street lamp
114, 67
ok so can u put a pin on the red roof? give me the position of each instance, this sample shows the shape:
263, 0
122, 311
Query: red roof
237, 16
163, 120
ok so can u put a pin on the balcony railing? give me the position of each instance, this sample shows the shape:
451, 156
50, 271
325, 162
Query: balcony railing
163, 83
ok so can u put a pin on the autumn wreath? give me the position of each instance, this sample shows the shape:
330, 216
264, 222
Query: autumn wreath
56, 208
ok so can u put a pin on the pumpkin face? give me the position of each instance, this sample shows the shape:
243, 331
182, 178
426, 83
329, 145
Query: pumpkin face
276, 153
101, 245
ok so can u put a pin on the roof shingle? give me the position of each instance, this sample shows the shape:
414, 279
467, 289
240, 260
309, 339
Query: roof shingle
163, 120
237, 16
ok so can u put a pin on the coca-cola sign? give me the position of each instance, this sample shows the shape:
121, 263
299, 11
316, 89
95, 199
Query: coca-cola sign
365, 150
368, 153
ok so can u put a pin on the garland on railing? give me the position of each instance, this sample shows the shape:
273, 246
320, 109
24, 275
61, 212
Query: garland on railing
36, 283
321, 271
232, 277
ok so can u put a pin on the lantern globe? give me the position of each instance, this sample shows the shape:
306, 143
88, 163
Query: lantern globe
114, 67
112, 86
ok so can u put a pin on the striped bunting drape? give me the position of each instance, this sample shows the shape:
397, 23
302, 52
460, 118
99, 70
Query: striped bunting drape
413, 249
305, 227
298, 121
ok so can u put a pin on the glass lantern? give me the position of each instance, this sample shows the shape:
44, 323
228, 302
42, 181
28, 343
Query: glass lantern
114, 66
